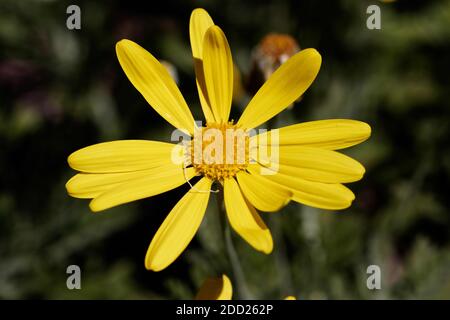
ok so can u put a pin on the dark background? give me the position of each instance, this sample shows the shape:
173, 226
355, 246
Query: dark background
62, 89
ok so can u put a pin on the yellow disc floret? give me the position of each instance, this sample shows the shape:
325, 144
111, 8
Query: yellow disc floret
219, 150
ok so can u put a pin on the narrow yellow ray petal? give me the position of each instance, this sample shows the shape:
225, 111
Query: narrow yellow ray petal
164, 178
283, 87
154, 82
123, 156
331, 196
218, 70
263, 194
331, 134
317, 164
245, 220
178, 229
199, 23
216, 289
91, 185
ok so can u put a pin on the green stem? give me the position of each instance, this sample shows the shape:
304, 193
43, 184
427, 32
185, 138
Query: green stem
281, 259
238, 272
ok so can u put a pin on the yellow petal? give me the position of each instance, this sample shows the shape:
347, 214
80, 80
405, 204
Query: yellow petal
290, 298
154, 82
198, 25
162, 179
91, 185
331, 196
283, 87
216, 289
263, 194
178, 229
123, 156
245, 220
218, 70
332, 134
318, 164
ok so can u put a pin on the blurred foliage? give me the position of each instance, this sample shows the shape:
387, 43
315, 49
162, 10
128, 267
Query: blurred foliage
62, 90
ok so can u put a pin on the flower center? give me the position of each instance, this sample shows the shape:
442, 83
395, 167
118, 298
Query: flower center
219, 150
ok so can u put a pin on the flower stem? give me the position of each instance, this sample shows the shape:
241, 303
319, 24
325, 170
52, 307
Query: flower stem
238, 272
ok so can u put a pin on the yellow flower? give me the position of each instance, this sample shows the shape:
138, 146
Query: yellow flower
219, 289
309, 171
215, 289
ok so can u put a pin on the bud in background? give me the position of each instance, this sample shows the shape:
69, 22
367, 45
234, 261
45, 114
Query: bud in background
272, 51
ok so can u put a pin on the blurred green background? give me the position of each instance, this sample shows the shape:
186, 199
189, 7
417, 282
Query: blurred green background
62, 90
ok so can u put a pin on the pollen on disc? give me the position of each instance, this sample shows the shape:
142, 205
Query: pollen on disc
219, 150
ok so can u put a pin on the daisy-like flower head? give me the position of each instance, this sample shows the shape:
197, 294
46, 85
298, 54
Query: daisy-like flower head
219, 289
307, 170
